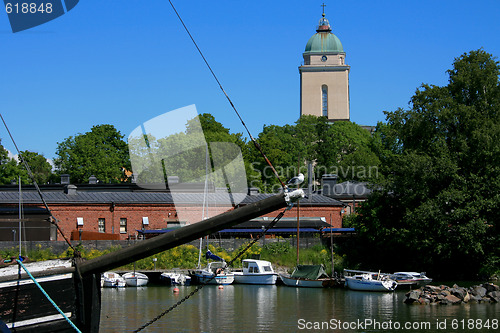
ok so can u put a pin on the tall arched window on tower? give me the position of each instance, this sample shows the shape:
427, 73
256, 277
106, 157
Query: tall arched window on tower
324, 100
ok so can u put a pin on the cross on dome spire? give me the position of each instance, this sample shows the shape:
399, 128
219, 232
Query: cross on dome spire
324, 25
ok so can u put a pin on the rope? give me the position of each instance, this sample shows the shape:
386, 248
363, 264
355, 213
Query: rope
48, 297
256, 144
52, 218
198, 288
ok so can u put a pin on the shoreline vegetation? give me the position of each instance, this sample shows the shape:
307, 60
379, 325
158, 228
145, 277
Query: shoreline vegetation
282, 255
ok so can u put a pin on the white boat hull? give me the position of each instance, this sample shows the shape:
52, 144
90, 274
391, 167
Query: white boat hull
370, 285
207, 278
113, 280
255, 278
136, 279
176, 279
306, 283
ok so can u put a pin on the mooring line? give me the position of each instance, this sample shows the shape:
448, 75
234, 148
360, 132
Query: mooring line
48, 297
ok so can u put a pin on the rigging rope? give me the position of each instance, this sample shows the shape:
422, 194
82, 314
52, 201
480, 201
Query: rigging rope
256, 144
198, 288
52, 218
48, 297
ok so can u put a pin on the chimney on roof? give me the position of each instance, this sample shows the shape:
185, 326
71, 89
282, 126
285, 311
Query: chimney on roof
173, 179
253, 191
65, 179
70, 189
328, 182
93, 180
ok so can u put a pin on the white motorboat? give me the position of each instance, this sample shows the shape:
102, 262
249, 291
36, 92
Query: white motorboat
410, 279
369, 281
112, 280
136, 279
216, 272
175, 279
256, 272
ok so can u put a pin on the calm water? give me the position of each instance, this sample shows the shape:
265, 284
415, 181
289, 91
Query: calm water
245, 308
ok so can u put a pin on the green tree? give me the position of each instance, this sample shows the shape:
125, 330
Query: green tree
8, 167
102, 152
437, 208
342, 148
39, 166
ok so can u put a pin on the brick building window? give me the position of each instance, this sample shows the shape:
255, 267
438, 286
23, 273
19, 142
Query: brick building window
123, 225
101, 224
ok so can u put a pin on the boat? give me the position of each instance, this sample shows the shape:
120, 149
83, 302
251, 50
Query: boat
113, 280
369, 281
216, 272
256, 272
410, 279
309, 276
175, 279
136, 279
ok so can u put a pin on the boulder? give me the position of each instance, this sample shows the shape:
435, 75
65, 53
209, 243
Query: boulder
432, 288
458, 292
494, 296
412, 296
453, 299
478, 291
490, 287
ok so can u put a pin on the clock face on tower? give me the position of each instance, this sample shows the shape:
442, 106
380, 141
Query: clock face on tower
324, 58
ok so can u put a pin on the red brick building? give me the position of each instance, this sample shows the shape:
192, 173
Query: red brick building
121, 211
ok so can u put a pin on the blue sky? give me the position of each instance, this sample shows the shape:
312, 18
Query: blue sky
125, 62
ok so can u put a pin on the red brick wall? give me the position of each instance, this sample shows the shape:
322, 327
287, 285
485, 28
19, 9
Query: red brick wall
158, 215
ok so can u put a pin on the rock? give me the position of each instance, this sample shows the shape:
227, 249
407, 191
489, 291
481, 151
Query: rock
424, 300
453, 299
458, 292
466, 298
490, 287
445, 293
432, 288
413, 296
494, 296
478, 291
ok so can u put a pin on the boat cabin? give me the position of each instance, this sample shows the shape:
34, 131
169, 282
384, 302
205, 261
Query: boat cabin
253, 266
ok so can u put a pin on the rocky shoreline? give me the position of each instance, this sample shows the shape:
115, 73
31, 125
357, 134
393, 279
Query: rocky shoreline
483, 293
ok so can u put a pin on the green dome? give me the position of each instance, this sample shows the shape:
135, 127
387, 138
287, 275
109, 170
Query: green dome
323, 42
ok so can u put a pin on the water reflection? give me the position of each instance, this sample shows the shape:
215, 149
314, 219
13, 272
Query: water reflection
246, 308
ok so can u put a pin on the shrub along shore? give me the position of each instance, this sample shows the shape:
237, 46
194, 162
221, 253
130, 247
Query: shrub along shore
282, 255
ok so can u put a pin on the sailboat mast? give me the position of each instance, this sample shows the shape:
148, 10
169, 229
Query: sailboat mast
20, 215
298, 213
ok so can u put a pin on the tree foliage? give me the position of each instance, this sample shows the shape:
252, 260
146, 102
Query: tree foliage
438, 204
341, 148
9, 171
102, 152
39, 166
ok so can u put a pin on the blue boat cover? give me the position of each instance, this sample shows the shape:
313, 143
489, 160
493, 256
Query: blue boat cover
210, 255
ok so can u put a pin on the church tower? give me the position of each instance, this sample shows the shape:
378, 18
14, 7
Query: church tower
324, 76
